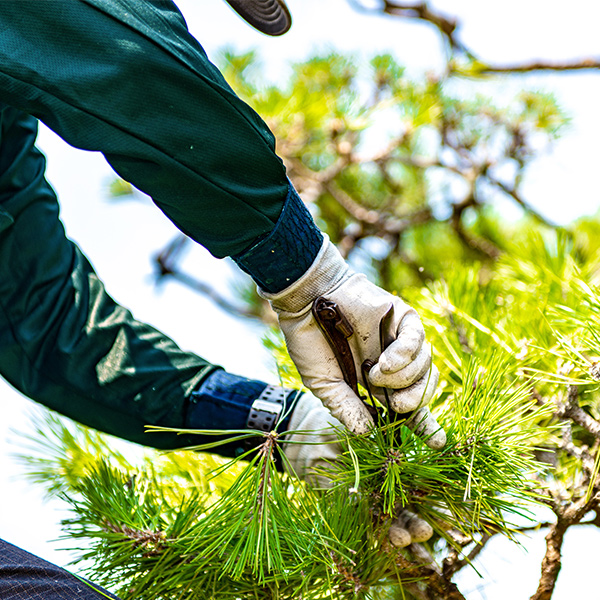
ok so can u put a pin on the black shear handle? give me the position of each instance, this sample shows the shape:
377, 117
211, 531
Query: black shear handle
337, 330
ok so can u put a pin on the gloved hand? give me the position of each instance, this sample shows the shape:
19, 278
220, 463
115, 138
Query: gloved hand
405, 367
317, 448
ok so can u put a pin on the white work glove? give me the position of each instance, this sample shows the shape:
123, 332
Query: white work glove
317, 447
405, 367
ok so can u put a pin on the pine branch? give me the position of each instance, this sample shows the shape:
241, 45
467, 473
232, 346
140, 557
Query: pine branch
164, 533
580, 453
583, 64
152, 543
448, 28
167, 262
552, 562
452, 563
484, 247
570, 409
514, 194
437, 585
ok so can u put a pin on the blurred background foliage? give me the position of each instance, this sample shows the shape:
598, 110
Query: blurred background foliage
406, 178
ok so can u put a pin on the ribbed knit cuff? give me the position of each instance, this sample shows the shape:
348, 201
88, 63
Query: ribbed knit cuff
279, 259
327, 273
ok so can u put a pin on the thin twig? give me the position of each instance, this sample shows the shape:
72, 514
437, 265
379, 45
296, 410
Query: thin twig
521, 202
166, 261
452, 564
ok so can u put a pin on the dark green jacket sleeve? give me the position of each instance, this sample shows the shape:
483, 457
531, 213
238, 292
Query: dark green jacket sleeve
63, 340
126, 78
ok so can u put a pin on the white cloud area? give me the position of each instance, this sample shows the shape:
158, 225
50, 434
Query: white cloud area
120, 237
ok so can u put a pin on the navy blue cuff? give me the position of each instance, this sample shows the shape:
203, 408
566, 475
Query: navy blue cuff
223, 401
279, 259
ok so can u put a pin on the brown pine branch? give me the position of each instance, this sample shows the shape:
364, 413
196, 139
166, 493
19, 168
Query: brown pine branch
351, 206
480, 245
452, 563
448, 27
437, 586
420, 11
585, 64
167, 263
512, 192
545, 524
552, 561
416, 591
383, 224
580, 453
152, 543
570, 409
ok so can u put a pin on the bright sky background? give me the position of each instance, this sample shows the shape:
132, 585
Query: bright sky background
120, 239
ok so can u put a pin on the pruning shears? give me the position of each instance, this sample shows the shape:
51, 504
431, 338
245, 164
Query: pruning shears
337, 331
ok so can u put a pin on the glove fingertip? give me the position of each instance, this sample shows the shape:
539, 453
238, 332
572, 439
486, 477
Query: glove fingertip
420, 531
358, 422
438, 440
405, 402
399, 537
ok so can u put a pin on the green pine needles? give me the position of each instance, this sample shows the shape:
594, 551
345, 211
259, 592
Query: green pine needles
478, 480
152, 532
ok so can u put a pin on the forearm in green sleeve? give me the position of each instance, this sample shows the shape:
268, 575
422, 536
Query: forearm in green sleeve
63, 340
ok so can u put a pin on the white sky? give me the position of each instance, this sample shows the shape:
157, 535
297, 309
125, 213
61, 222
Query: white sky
120, 239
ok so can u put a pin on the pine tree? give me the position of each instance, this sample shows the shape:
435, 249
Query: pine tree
516, 350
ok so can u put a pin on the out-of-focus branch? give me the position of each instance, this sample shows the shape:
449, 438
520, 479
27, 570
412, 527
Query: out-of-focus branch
585, 64
421, 11
167, 262
485, 247
360, 213
514, 194
448, 27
